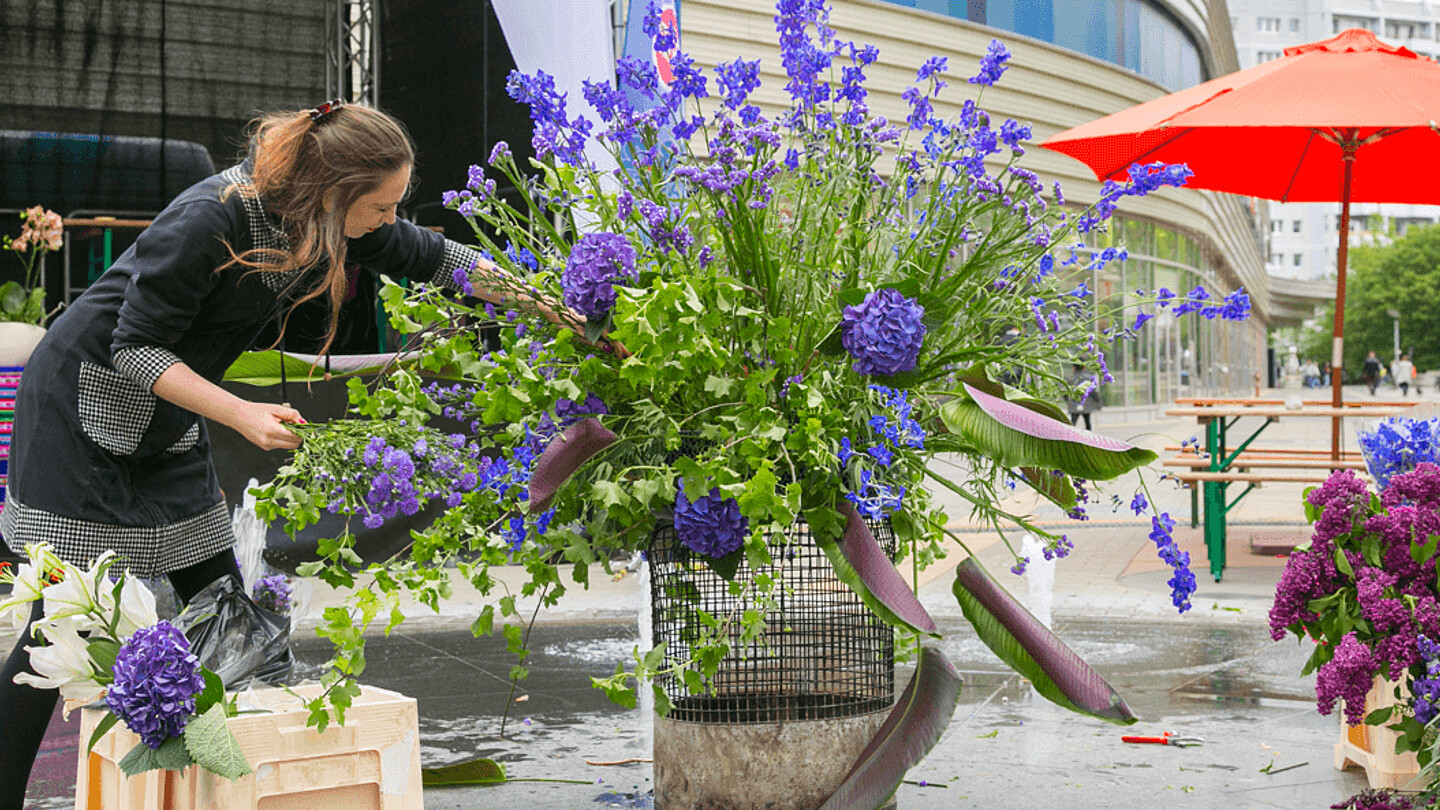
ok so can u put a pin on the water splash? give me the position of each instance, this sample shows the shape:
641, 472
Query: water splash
1040, 575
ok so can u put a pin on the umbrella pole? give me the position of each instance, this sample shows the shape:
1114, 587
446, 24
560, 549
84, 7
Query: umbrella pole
1338, 343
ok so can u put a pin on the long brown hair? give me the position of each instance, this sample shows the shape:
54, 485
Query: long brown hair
309, 170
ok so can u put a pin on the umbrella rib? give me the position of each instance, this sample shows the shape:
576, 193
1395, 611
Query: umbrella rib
1298, 163
1148, 152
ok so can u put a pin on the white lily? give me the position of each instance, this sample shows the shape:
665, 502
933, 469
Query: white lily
82, 594
137, 608
26, 582
64, 664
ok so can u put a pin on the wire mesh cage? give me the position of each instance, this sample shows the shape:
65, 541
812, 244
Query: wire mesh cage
822, 655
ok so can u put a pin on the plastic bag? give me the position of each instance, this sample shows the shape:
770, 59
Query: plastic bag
236, 638
250, 533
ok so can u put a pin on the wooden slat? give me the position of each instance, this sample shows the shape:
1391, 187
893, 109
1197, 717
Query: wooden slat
1302, 464
1287, 413
1216, 401
1273, 451
1259, 478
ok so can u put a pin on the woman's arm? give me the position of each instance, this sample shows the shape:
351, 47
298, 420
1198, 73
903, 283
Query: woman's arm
261, 423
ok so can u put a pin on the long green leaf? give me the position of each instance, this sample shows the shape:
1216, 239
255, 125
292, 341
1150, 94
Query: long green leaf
861, 564
264, 368
1021, 641
106, 723
913, 727
209, 741
1016, 435
474, 772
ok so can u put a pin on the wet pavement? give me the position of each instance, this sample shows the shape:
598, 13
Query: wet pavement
1212, 672
1229, 685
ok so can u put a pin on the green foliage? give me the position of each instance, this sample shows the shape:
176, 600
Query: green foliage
1403, 276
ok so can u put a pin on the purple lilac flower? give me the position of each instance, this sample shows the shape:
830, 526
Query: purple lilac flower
1382, 799
992, 64
596, 262
156, 680
883, 333
1348, 676
273, 593
711, 525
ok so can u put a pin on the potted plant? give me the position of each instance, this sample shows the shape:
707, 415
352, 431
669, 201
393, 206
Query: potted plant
22, 303
767, 324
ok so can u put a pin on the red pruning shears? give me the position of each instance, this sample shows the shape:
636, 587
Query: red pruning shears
1169, 738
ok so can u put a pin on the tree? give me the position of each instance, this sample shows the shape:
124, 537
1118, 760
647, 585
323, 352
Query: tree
1405, 277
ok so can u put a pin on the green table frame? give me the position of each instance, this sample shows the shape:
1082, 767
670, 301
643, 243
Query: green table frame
1217, 505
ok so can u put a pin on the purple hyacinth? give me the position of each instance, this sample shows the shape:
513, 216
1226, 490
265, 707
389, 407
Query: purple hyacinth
596, 262
711, 525
273, 593
156, 680
883, 333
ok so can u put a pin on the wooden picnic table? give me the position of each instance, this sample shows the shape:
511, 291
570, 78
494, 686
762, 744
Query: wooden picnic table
1219, 416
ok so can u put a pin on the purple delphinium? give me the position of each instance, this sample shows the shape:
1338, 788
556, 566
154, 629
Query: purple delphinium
156, 680
596, 262
1182, 583
711, 525
1348, 676
992, 64
273, 593
1425, 692
883, 333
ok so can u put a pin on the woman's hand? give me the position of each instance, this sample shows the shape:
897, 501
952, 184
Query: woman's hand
263, 425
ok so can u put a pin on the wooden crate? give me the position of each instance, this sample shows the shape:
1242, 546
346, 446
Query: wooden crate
1373, 747
370, 763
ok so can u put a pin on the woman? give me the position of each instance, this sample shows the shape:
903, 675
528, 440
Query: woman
110, 443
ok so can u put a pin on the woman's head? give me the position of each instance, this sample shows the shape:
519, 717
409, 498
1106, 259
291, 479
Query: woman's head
330, 174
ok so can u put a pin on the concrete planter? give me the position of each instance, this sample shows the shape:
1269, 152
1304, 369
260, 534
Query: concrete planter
789, 713
17, 341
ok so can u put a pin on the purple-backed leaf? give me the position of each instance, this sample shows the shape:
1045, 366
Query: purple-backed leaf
564, 455
1028, 646
1015, 434
862, 564
912, 728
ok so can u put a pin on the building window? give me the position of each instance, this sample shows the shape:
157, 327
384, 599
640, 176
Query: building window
1342, 22
1295, 226
1275, 258
1298, 258
1266, 56
1404, 29
1267, 24
1337, 222
1294, 25
1277, 225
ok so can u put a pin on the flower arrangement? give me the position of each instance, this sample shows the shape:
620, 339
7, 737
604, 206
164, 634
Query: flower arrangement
41, 232
768, 317
1364, 588
1396, 444
103, 641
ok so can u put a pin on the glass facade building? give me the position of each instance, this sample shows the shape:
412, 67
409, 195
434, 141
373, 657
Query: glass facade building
1131, 33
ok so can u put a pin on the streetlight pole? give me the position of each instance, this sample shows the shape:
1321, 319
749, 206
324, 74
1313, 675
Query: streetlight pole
1395, 316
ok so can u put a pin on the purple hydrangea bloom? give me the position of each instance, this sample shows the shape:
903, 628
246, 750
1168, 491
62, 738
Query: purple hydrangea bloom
156, 680
596, 262
711, 525
883, 333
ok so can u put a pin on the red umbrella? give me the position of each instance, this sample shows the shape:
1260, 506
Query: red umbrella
1346, 119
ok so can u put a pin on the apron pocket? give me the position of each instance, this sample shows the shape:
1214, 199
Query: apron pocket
114, 410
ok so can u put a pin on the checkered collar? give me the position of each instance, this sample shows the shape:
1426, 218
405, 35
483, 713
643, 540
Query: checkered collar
265, 230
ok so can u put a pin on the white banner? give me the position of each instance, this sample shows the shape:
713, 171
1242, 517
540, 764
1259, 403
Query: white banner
571, 40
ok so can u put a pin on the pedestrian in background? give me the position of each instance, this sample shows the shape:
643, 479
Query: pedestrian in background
1371, 371
1088, 403
1403, 371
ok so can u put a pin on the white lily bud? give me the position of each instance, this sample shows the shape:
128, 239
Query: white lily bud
137, 608
64, 664
27, 582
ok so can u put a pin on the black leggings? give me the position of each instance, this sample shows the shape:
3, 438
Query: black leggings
25, 711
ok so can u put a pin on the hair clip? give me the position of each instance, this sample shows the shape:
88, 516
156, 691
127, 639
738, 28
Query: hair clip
319, 114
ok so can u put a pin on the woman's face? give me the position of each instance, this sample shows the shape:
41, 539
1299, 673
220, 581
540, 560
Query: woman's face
377, 207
